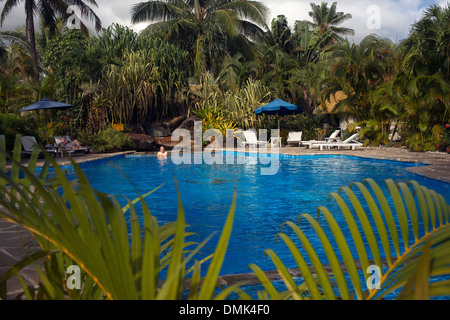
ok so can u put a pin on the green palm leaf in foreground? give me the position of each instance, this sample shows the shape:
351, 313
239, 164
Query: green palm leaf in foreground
414, 241
76, 225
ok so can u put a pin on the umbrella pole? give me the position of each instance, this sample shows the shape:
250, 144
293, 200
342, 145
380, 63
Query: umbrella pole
46, 127
278, 135
279, 132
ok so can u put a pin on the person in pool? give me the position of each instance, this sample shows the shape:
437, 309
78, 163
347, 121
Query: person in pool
162, 153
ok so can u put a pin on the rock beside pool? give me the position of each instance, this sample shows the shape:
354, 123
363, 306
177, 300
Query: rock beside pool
159, 131
166, 142
188, 124
163, 128
174, 123
143, 142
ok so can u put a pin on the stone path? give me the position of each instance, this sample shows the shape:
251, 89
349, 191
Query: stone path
15, 241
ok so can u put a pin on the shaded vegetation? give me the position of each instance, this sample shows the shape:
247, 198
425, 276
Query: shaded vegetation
226, 54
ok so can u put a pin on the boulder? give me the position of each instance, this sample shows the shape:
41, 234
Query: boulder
188, 124
159, 131
138, 128
174, 123
143, 142
166, 142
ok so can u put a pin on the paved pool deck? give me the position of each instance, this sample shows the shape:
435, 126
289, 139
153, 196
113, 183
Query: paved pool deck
15, 242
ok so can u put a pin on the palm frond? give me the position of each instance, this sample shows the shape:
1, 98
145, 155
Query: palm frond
156, 10
8, 6
412, 220
120, 259
253, 11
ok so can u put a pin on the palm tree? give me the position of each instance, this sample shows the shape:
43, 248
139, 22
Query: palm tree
204, 27
355, 69
15, 90
427, 49
49, 11
425, 74
327, 19
280, 34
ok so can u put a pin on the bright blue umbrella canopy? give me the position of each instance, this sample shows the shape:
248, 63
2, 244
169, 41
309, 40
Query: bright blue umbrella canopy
278, 107
46, 103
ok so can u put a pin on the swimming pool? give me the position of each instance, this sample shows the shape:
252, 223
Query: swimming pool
263, 202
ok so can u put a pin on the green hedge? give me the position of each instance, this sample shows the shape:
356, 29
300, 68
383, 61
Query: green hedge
111, 140
11, 124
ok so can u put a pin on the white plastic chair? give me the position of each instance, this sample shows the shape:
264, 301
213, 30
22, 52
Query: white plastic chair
251, 139
294, 137
333, 136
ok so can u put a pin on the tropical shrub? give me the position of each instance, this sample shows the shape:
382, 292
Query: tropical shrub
15, 89
445, 144
237, 107
117, 41
111, 140
419, 143
240, 105
212, 118
147, 84
13, 124
65, 55
374, 132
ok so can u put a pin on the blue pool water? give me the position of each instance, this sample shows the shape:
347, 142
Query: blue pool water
264, 202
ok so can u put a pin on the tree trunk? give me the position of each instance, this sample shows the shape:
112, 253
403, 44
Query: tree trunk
31, 38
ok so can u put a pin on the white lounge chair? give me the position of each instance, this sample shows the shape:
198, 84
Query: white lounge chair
69, 150
29, 143
294, 137
251, 139
350, 142
333, 137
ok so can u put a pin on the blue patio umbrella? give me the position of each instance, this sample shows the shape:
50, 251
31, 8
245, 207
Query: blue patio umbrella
279, 108
45, 104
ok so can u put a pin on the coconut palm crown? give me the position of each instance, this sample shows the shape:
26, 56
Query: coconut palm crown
208, 29
327, 18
